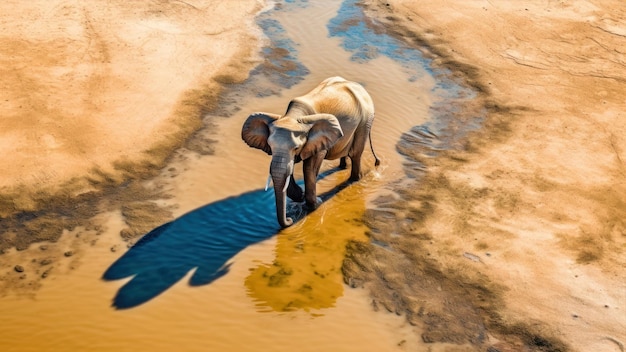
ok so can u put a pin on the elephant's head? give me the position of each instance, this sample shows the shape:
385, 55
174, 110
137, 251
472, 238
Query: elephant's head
289, 140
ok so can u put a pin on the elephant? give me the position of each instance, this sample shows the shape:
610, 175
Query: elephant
332, 121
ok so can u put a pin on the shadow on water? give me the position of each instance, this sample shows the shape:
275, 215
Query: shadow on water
204, 239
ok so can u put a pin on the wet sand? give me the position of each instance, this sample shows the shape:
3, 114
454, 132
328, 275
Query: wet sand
515, 239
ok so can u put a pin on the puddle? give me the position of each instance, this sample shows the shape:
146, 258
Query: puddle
222, 275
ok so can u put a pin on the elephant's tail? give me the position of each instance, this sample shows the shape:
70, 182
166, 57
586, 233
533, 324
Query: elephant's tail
377, 162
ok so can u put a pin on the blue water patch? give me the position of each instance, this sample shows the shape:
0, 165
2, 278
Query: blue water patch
365, 43
279, 69
281, 65
300, 3
368, 40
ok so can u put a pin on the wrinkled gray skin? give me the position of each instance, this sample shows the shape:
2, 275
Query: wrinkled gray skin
330, 122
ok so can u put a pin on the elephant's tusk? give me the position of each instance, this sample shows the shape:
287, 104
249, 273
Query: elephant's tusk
286, 184
267, 185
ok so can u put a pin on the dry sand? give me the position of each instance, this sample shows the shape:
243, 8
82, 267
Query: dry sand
517, 240
99, 92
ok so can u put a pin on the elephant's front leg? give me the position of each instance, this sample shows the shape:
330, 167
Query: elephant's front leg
311, 170
294, 192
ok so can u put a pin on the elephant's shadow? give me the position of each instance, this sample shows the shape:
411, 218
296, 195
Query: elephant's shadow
204, 239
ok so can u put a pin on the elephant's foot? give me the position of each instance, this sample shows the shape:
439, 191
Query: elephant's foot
355, 176
313, 205
355, 172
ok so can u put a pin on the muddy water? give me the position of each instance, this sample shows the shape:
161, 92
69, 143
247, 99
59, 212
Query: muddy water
222, 275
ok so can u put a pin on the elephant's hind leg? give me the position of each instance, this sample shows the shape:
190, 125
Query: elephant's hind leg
360, 137
355, 172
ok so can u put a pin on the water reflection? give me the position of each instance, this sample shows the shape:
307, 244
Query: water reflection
306, 273
204, 239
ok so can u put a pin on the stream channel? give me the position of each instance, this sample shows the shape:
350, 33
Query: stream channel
222, 276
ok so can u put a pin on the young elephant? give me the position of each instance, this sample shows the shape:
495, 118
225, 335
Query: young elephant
330, 122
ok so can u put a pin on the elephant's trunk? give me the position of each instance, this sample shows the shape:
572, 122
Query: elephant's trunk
280, 170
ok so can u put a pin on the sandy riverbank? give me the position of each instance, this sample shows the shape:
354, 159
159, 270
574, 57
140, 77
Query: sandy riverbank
100, 92
519, 237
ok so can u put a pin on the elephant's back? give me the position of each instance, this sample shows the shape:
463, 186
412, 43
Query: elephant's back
339, 97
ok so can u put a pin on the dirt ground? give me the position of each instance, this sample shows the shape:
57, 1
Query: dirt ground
513, 241
97, 93
516, 240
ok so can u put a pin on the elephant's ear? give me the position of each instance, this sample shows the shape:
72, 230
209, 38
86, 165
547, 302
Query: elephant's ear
324, 132
255, 130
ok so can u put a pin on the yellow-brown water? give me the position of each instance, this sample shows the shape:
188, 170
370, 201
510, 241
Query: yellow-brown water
281, 293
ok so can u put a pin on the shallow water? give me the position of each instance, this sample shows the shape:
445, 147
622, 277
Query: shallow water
222, 275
